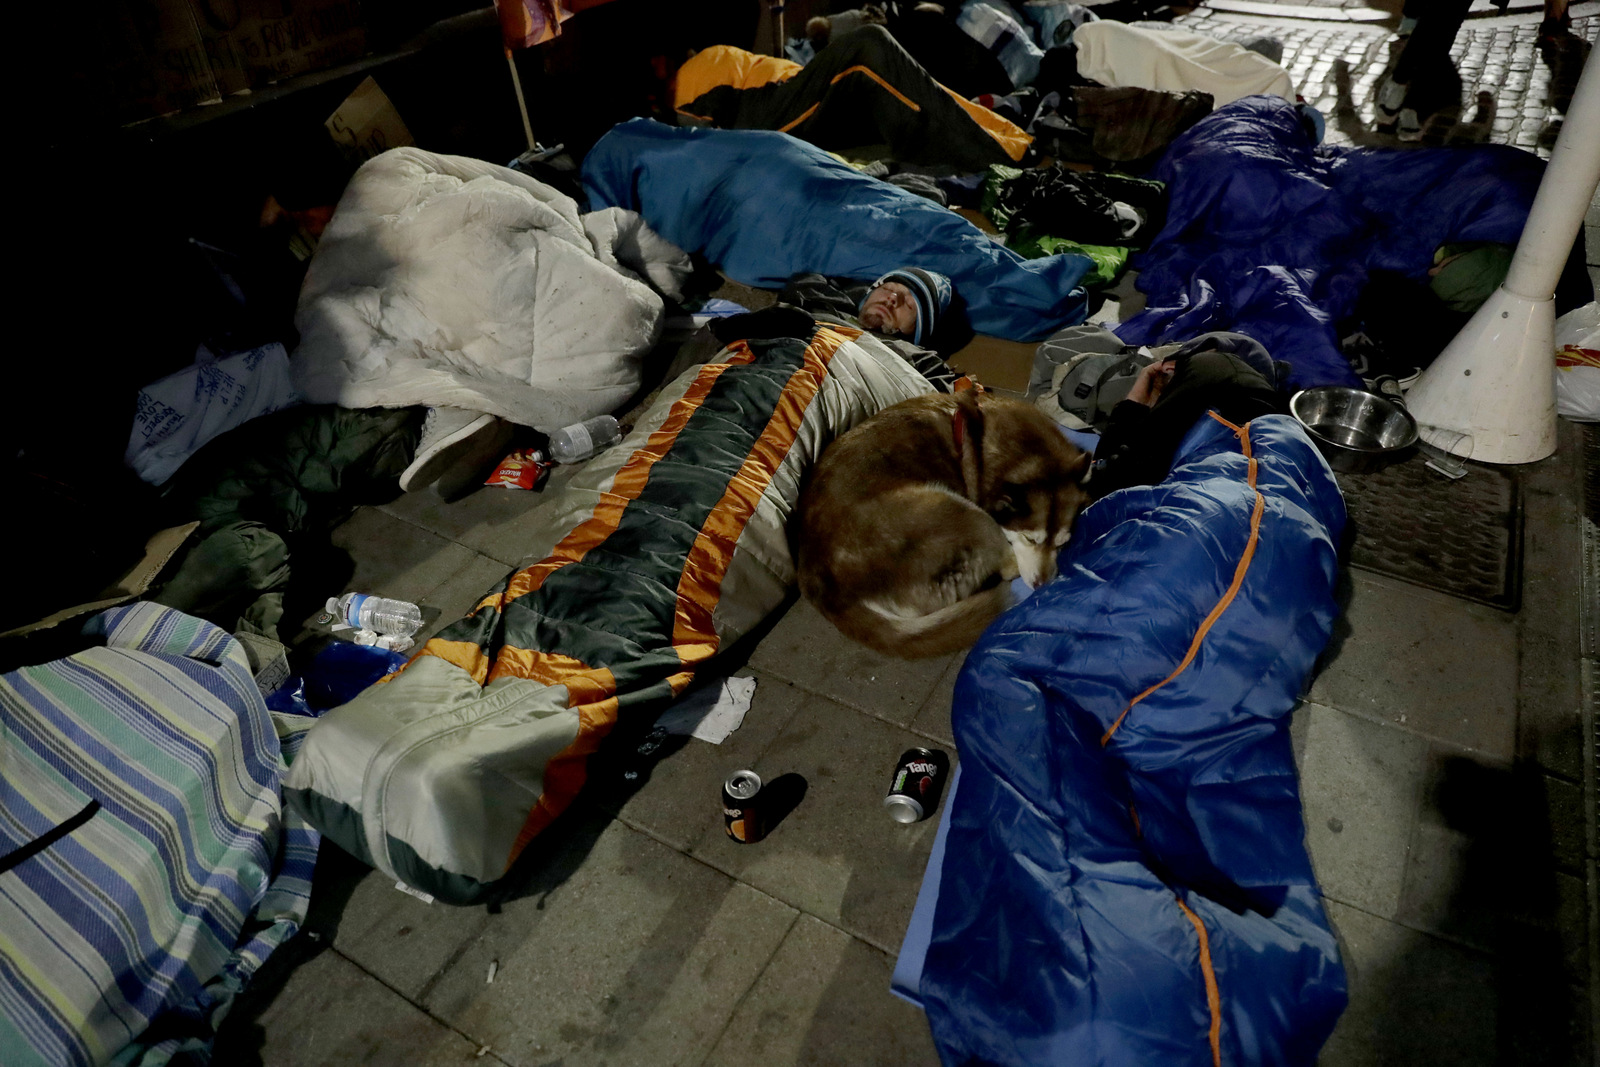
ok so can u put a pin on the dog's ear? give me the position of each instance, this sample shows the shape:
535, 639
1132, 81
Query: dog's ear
967, 425
1082, 468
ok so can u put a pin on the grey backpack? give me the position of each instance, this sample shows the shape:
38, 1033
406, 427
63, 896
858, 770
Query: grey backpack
1090, 370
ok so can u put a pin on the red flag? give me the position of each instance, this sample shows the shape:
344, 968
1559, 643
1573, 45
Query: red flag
525, 23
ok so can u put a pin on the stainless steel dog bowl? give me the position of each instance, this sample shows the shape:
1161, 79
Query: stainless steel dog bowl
1356, 430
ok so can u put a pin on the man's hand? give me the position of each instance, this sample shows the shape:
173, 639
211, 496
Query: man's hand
1147, 387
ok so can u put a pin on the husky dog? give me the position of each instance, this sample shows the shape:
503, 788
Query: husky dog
913, 524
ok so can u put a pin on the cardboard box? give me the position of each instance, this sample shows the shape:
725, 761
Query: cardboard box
158, 552
999, 364
366, 123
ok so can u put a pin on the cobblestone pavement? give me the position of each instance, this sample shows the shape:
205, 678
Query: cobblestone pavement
1513, 90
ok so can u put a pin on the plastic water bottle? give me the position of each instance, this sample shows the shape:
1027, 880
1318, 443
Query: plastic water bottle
395, 618
570, 444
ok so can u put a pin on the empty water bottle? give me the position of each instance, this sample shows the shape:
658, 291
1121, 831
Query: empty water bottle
396, 618
583, 439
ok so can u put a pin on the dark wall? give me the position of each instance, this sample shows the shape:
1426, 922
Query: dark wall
114, 291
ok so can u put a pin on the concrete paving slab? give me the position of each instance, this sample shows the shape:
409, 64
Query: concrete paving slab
676, 796
1448, 889
389, 558
1533, 920
1508, 85
809, 651
1442, 667
1360, 784
824, 1000
1498, 858
1564, 815
398, 938
639, 957
1550, 695
335, 1013
1414, 999
933, 718
487, 520
838, 855
460, 593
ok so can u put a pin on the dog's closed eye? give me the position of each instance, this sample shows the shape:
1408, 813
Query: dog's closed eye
1009, 504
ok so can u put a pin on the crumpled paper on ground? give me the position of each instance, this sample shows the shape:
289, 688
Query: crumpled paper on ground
711, 712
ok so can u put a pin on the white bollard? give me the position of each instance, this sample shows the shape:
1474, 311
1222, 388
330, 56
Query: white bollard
1490, 396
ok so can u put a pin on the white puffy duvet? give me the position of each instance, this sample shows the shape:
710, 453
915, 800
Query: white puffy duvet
443, 280
1118, 55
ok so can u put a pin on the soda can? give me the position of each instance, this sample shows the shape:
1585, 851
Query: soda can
918, 781
741, 807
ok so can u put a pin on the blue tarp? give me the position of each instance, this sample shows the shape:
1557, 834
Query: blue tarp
1268, 235
764, 207
1060, 934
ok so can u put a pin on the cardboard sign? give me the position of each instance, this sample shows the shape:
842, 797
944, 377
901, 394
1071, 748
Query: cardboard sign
367, 124
159, 56
251, 43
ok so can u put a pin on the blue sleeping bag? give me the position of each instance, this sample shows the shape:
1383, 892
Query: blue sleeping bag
1268, 235
1125, 880
764, 207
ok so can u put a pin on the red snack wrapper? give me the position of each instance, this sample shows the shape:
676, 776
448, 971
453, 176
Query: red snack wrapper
526, 469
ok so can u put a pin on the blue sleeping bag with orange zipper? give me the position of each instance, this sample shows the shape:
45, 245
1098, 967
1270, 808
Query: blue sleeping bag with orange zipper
1272, 235
1125, 880
765, 207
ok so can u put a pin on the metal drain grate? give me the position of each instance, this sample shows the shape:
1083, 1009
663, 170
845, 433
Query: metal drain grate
1461, 537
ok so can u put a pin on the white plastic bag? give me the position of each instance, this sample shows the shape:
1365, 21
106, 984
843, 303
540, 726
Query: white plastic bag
1578, 364
178, 414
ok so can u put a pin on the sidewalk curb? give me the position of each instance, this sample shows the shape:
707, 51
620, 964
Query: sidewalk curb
1517, 11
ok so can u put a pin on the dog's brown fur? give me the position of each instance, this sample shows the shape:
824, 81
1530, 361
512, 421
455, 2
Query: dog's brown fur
907, 541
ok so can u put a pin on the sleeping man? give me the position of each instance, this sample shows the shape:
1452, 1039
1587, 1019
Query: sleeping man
909, 307
905, 303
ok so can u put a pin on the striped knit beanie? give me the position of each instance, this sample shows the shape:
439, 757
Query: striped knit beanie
930, 292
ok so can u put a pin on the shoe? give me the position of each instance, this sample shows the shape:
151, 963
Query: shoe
1408, 126
1361, 352
1405, 372
454, 438
1405, 376
1391, 95
1372, 361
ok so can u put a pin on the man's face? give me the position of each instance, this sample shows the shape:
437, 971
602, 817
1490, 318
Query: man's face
891, 309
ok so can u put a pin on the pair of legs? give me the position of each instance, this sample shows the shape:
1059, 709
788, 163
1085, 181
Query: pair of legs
1425, 58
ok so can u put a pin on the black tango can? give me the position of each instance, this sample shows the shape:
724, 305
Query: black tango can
741, 807
918, 781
